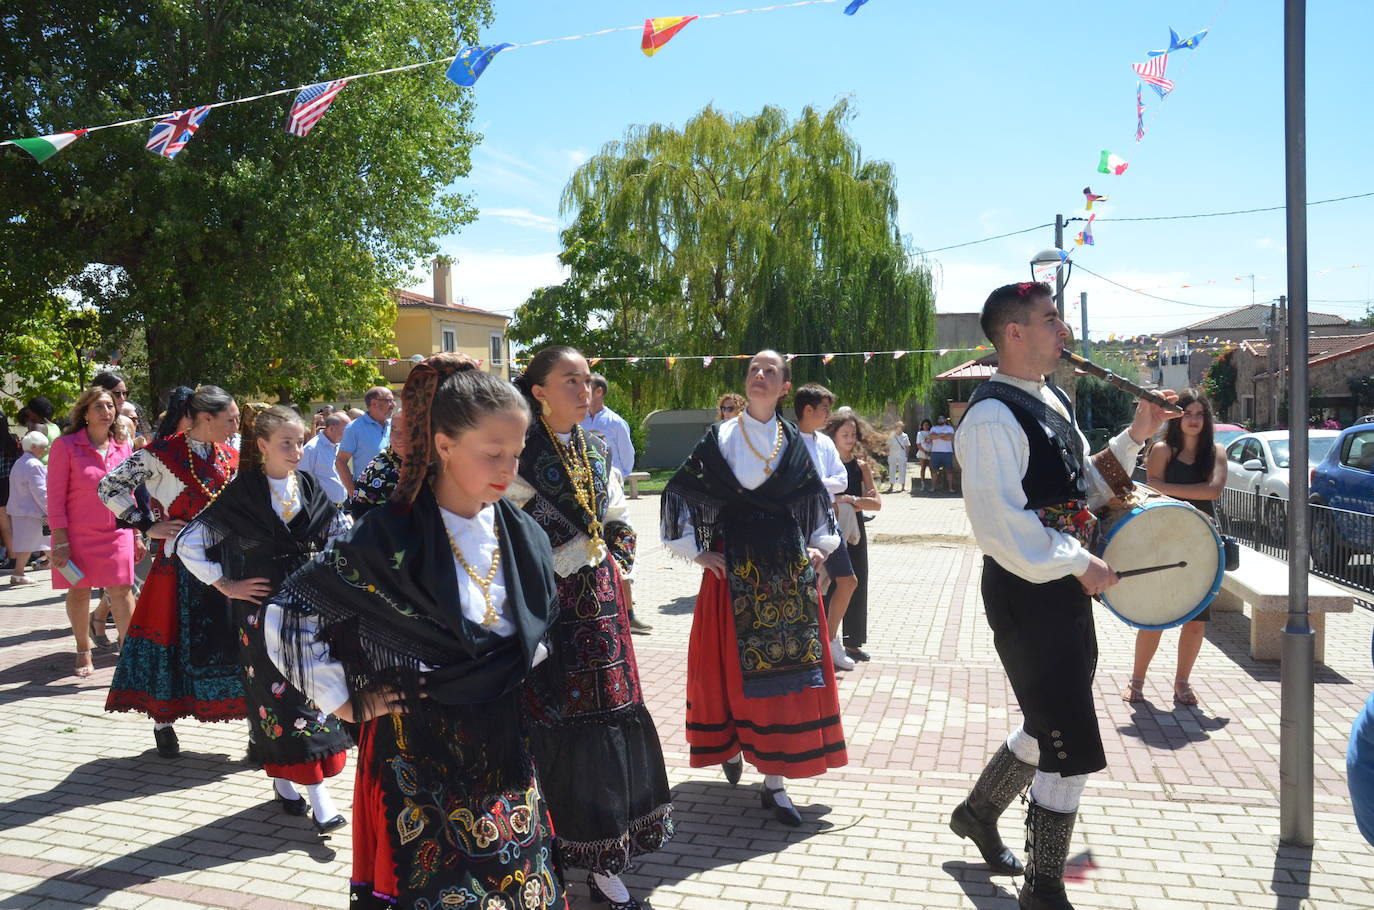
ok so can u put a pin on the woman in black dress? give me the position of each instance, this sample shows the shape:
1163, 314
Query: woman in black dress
856, 442
1187, 465
263, 527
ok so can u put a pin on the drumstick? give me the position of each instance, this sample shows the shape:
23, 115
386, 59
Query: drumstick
1130, 572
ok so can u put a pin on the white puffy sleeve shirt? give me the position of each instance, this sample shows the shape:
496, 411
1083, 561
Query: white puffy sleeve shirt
994, 455
748, 470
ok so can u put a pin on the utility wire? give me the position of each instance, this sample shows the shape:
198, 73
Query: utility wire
956, 246
1201, 306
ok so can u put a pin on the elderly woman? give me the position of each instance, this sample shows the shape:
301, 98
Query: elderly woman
28, 504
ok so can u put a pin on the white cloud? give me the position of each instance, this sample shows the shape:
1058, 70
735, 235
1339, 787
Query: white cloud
496, 280
523, 218
576, 157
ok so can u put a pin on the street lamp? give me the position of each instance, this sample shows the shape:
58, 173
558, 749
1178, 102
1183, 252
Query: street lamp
1056, 259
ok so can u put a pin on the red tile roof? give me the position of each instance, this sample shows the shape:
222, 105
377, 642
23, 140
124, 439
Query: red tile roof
412, 299
1320, 348
981, 368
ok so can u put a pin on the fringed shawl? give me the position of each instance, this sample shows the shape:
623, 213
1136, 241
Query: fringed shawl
763, 533
386, 598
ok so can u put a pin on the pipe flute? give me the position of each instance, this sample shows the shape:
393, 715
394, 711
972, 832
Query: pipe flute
1125, 385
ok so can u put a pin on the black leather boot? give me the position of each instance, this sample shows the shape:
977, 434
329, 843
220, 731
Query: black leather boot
976, 817
1047, 849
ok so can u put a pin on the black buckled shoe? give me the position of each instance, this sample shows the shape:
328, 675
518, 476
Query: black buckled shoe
297, 807
788, 815
329, 824
599, 897
1047, 850
166, 739
976, 817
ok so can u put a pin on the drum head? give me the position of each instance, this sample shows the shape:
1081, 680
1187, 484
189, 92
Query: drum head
1155, 534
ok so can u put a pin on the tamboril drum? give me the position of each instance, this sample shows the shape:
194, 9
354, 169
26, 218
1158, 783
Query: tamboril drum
1155, 530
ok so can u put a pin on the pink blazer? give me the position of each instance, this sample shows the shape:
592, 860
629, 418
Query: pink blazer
75, 470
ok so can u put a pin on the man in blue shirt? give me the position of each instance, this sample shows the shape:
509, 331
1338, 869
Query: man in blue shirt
366, 436
318, 459
611, 427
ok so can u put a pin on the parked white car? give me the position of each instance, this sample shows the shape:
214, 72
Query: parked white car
1258, 463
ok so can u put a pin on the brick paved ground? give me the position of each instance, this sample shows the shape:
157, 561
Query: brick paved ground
1185, 817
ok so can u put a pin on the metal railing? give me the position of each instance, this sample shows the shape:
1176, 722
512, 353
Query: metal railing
1342, 540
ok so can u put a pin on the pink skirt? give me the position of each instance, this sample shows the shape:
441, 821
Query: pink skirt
105, 558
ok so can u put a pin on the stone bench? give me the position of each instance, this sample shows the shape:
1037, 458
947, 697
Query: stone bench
1262, 582
634, 480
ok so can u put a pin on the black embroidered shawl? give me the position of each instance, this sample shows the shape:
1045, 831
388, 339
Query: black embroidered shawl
763, 533
556, 508
386, 597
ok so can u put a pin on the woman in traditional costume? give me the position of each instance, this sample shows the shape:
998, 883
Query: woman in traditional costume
748, 507
263, 527
179, 658
593, 739
421, 624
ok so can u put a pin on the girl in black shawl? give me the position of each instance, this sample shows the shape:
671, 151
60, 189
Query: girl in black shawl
748, 507
268, 521
593, 739
420, 624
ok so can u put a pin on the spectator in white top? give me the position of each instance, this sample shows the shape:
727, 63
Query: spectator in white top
941, 442
611, 427
897, 445
320, 457
28, 504
812, 404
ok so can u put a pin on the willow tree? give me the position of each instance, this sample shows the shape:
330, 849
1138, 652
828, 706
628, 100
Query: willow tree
778, 233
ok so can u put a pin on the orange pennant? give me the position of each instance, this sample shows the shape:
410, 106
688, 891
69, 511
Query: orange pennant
658, 32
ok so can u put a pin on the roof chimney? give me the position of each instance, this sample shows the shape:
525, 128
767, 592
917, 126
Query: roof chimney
443, 280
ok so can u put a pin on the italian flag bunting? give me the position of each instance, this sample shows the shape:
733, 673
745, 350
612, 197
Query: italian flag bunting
44, 147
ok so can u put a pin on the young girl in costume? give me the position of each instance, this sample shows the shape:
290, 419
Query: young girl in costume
263, 527
421, 624
596, 746
179, 658
749, 508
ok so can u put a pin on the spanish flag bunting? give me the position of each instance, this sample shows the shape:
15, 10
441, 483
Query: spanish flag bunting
670, 361
349, 361
746, 357
826, 358
593, 361
658, 32
276, 362
706, 361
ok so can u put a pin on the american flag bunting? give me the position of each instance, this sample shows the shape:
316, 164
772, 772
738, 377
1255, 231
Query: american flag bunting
1152, 73
311, 104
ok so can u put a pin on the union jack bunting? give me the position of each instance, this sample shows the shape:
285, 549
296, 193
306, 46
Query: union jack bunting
311, 104
171, 133
1151, 72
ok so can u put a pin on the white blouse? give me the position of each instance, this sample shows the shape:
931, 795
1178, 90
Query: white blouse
748, 470
572, 555
994, 455
322, 677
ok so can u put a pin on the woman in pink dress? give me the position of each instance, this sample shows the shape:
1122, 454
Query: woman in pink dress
88, 550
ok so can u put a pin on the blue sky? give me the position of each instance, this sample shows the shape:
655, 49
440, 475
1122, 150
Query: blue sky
993, 115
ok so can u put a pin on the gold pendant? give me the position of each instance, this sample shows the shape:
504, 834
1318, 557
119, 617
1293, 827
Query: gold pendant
596, 551
767, 470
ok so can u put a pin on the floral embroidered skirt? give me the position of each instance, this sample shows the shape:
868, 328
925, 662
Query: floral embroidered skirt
796, 735
287, 733
422, 847
596, 746
178, 658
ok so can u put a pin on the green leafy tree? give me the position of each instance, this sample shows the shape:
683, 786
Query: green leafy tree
1219, 382
255, 259
765, 232
48, 351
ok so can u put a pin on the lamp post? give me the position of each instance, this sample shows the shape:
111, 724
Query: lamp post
1053, 256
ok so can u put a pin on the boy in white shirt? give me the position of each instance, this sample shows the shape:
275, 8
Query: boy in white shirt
812, 404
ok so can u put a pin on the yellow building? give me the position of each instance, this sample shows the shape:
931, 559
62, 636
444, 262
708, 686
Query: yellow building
427, 325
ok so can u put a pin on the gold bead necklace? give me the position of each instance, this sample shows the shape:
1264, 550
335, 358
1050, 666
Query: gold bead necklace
290, 503
490, 618
777, 446
579, 471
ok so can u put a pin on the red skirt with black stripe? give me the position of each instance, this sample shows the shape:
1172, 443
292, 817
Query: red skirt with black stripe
797, 735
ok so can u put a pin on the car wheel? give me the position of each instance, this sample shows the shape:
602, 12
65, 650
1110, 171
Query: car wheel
1274, 523
1325, 547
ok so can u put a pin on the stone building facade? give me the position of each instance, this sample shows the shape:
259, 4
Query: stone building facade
1332, 362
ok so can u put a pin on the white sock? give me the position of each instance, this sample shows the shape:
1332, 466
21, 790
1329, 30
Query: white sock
1024, 746
285, 789
1057, 792
775, 782
738, 757
161, 726
612, 887
321, 805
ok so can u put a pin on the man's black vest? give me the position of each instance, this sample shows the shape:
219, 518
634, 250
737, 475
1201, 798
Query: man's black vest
1054, 471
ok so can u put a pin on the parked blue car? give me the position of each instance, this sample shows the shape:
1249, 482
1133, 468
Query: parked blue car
1344, 480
